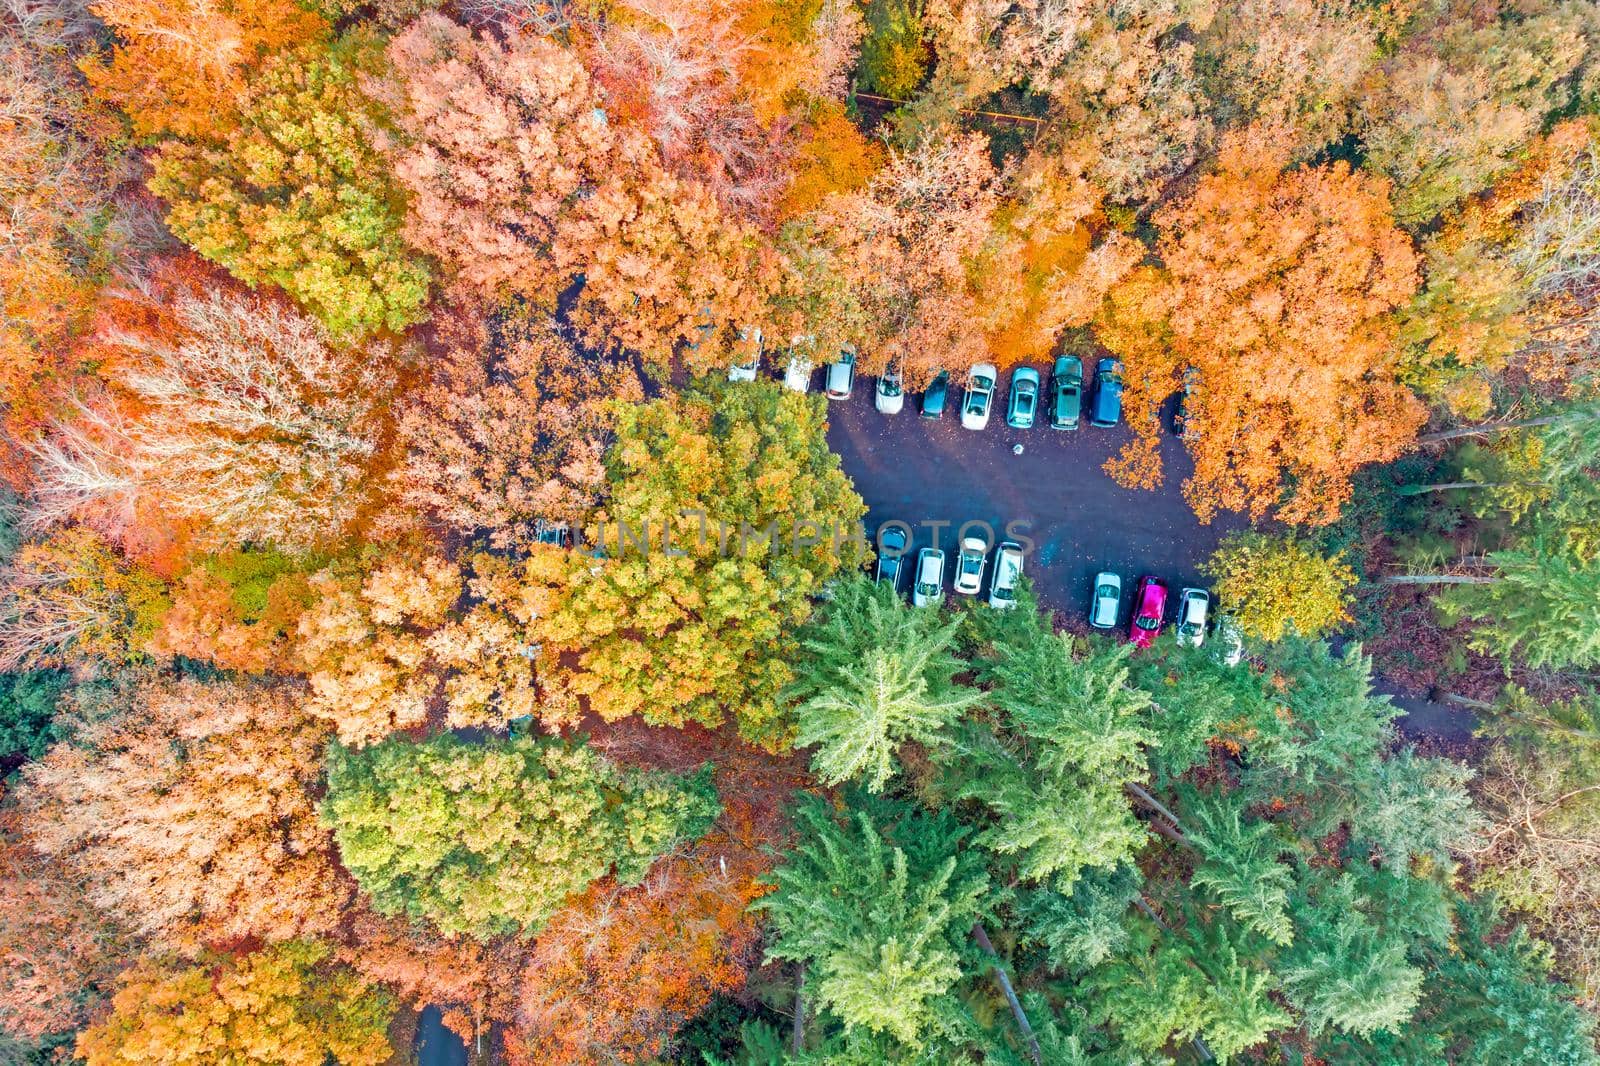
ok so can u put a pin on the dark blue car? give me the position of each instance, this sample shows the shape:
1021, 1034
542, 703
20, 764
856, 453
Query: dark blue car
1106, 407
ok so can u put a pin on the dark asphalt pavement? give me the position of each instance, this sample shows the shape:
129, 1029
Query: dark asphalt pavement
914, 469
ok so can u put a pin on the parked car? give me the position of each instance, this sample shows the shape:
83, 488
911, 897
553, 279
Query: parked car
1106, 408
798, 375
1024, 399
970, 565
749, 353
841, 375
892, 555
1184, 423
980, 395
1007, 572
933, 399
1229, 647
1149, 608
929, 587
1066, 391
1193, 607
890, 392
1106, 605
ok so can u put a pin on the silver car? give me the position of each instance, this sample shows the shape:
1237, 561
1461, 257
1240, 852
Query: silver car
928, 589
1193, 607
979, 396
1106, 606
748, 352
891, 395
841, 375
1007, 572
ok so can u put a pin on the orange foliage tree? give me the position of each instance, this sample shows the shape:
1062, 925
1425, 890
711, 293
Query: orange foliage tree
190, 815
616, 973
178, 66
1275, 291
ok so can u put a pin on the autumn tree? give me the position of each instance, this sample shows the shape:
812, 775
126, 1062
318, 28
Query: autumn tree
250, 419
1452, 108
879, 909
875, 675
181, 68
532, 206
745, 515
300, 196
1274, 294
1270, 585
238, 609
511, 432
59, 953
66, 229
289, 1003
363, 641
492, 837
191, 815
69, 597
618, 971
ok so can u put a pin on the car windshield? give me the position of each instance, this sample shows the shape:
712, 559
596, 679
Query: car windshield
976, 404
971, 562
1004, 593
927, 588
1105, 592
1025, 402
1147, 624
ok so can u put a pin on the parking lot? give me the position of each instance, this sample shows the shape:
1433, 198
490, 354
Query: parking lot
917, 470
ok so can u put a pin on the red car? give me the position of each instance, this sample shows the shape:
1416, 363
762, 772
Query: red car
1149, 607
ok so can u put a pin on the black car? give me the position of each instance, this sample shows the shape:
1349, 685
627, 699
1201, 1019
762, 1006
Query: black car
891, 555
1066, 392
933, 399
1106, 408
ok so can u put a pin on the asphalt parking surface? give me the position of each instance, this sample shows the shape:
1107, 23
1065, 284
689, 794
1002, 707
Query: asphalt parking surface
918, 470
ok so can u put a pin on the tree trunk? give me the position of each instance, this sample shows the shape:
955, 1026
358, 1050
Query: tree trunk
980, 935
1437, 579
1446, 486
1439, 695
1154, 804
1495, 427
797, 1039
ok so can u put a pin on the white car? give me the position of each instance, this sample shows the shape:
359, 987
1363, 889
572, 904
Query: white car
891, 395
841, 375
979, 397
749, 349
1193, 607
1007, 572
798, 375
970, 564
1106, 607
929, 587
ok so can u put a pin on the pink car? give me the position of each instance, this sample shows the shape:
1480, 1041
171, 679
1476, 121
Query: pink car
1149, 607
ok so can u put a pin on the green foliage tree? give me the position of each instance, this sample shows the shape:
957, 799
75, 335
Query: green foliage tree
894, 57
1069, 738
1345, 971
1541, 607
1272, 584
27, 712
492, 837
1085, 927
300, 196
875, 674
879, 908
1240, 864
288, 1003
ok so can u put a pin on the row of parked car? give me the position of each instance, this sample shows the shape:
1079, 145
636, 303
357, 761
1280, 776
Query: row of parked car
1065, 392
1150, 596
972, 563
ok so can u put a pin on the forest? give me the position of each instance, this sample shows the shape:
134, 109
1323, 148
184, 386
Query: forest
336, 334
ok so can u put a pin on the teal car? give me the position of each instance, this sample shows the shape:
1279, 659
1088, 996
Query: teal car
1023, 403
